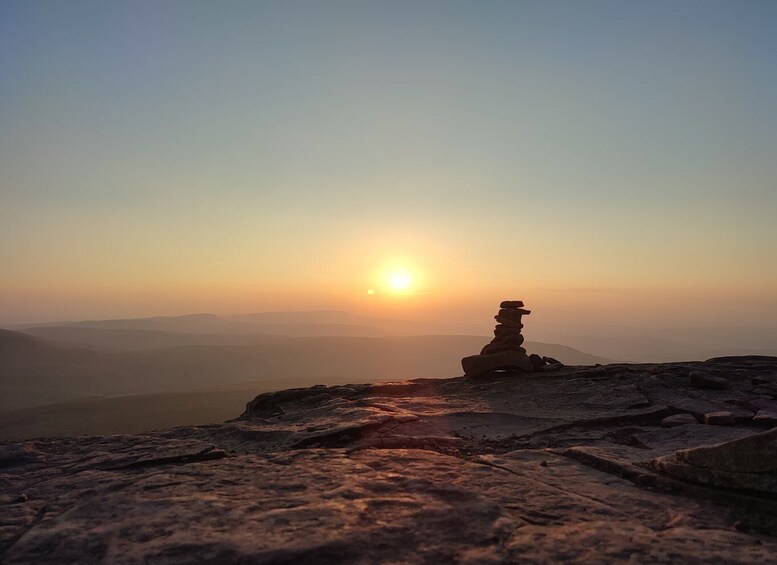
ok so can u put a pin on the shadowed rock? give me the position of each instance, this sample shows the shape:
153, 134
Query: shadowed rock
748, 463
766, 418
678, 420
722, 418
703, 380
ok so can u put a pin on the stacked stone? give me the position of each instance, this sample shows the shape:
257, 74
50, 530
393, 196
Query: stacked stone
504, 351
507, 332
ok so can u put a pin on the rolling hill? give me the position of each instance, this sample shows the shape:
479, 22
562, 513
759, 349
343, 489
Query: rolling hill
294, 323
35, 372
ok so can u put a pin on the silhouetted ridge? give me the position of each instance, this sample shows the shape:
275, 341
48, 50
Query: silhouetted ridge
17, 347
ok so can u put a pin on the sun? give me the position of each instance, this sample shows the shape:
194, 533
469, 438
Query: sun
400, 281
397, 278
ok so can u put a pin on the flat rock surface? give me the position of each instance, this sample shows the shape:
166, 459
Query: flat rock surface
566, 466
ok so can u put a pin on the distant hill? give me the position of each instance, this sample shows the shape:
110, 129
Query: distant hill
620, 343
294, 323
16, 347
188, 322
306, 324
133, 339
126, 414
648, 349
36, 372
310, 317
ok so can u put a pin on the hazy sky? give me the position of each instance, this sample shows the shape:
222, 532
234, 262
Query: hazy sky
616, 160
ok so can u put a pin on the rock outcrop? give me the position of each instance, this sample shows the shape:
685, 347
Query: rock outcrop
577, 465
747, 463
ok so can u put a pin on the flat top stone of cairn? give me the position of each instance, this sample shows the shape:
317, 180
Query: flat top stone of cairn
511, 304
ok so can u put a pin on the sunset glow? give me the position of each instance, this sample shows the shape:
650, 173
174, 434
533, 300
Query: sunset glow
147, 174
400, 281
399, 277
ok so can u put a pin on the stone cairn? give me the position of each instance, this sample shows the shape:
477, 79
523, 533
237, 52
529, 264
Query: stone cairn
505, 351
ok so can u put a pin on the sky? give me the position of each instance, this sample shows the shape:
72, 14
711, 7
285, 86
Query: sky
604, 161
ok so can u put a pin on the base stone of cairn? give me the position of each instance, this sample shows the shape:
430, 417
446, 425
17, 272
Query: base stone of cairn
504, 351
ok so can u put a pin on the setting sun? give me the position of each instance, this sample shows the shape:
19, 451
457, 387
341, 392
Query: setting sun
400, 281
397, 277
